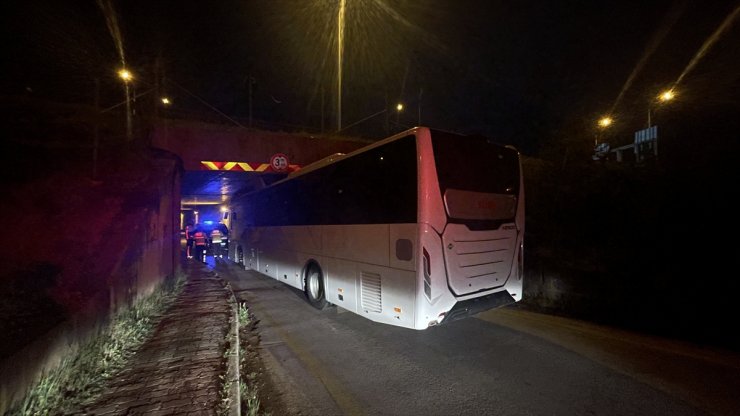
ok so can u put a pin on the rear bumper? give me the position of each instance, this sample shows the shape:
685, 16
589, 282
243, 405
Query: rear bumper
474, 306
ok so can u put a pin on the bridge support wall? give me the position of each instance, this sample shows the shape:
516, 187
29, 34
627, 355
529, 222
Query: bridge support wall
197, 141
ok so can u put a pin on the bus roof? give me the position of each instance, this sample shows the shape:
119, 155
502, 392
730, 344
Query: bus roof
341, 156
318, 164
328, 160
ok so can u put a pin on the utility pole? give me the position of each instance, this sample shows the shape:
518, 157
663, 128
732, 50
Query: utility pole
322, 109
157, 88
96, 130
340, 52
129, 125
387, 115
251, 82
419, 108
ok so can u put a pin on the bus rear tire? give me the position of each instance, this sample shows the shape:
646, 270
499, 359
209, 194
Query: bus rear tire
314, 286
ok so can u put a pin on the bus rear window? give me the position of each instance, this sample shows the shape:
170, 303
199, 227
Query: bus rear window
476, 164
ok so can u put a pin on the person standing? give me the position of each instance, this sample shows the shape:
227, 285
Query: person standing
216, 242
189, 239
200, 239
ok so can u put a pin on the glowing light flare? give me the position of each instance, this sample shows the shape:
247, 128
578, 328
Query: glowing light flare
399, 107
369, 50
605, 122
667, 95
166, 101
125, 75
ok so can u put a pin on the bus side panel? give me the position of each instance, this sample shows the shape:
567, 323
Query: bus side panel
302, 238
250, 242
341, 282
433, 293
403, 246
267, 242
362, 243
431, 207
515, 285
299, 245
286, 267
251, 258
284, 251
386, 295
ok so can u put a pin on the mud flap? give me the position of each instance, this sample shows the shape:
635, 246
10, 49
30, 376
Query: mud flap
474, 306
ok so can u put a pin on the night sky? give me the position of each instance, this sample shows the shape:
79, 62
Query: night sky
524, 72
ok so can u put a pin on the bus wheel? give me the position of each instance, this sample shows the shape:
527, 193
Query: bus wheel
315, 287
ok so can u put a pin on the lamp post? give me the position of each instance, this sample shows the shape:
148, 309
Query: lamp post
127, 78
96, 131
340, 52
663, 97
603, 123
399, 108
418, 108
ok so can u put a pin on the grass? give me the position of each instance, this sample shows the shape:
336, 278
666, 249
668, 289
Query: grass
248, 391
243, 315
248, 381
80, 376
249, 395
224, 404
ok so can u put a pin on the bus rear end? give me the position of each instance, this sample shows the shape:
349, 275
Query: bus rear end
471, 219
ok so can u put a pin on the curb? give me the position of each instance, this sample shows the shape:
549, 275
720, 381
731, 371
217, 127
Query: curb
232, 371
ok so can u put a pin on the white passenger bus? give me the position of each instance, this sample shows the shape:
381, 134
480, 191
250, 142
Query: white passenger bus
416, 230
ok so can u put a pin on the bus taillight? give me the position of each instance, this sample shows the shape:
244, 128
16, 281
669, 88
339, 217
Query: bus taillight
427, 274
520, 260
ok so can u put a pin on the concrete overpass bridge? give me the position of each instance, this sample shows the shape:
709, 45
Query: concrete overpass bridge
220, 160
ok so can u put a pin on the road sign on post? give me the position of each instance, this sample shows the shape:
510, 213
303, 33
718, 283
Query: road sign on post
646, 140
279, 162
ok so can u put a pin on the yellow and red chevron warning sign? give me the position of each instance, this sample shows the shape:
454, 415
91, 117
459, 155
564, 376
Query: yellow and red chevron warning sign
243, 166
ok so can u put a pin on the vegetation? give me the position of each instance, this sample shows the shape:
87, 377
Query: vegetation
248, 379
243, 315
80, 376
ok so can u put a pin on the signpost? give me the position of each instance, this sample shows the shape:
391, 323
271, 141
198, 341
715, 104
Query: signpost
645, 140
279, 162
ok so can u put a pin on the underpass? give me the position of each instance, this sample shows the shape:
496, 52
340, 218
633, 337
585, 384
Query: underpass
219, 160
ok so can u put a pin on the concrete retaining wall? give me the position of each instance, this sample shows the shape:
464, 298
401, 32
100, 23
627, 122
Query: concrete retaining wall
136, 254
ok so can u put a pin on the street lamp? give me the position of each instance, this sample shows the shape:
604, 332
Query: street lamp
340, 52
663, 97
605, 121
667, 95
399, 108
125, 75
652, 134
127, 78
166, 101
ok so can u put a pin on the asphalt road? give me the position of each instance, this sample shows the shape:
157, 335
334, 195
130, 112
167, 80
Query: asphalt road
502, 362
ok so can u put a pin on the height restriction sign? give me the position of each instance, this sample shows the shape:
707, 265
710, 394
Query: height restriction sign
279, 162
